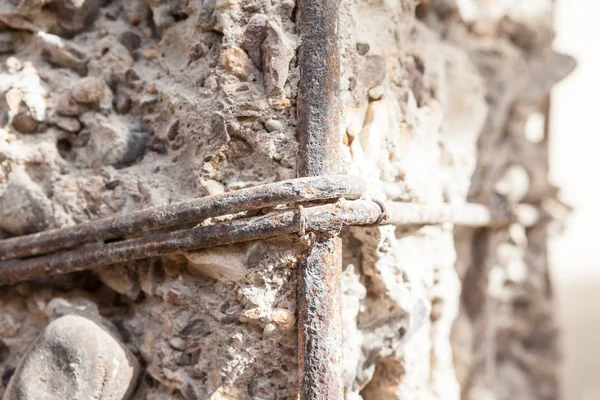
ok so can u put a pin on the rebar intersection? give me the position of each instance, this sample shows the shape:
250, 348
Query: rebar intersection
317, 206
82, 246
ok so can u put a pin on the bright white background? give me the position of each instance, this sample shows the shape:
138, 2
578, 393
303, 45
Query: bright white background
575, 166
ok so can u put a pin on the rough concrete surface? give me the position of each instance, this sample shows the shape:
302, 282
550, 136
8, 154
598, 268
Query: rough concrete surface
108, 107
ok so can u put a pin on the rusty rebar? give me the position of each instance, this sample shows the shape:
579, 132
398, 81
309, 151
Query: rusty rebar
314, 219
319, 273
186, 212
318, 103
320, 327
323, 218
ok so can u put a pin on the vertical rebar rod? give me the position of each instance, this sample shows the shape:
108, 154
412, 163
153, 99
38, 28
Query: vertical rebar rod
319, 274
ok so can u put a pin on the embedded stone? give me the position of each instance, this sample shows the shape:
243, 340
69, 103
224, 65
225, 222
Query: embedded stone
226, 264
113, 141
130, 40
68, 124
74, 358
362, 48
62, 53
270, 50
24, 122
88, 90
75, 15
235, 61
67, 106
273, 125
284, 318
24, 208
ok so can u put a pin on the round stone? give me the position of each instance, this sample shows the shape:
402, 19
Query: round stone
74, 358
273, 125
88, 90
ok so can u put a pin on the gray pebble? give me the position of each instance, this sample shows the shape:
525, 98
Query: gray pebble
73, 358
68, 124
135, 149
373, 71
24, 207
273, 125
177, 343
130, 40
362, 48
269, 330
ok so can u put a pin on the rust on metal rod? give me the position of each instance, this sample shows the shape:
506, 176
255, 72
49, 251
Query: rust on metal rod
397, 213
320, 340
318, 103
177, 214
318, 219
329, 217
319, 274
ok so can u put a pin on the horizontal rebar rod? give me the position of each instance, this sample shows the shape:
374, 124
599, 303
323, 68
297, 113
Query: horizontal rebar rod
330, 217
177, 214
465, 214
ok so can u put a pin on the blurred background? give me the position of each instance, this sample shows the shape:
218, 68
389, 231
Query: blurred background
575, 254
